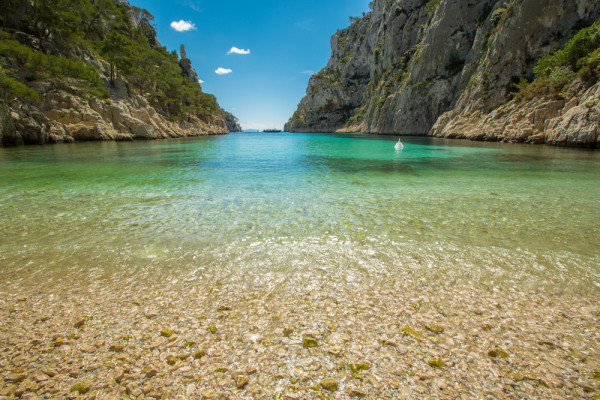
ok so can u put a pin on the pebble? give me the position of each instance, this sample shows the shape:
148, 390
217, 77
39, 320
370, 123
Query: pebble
356, 392
360, 345
81, 387
241, 382
329, 384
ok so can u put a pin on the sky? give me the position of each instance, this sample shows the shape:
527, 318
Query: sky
255, 56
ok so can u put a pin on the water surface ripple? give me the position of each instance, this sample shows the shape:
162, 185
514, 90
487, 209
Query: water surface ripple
263, 206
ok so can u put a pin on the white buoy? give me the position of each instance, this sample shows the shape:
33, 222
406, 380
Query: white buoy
399, 145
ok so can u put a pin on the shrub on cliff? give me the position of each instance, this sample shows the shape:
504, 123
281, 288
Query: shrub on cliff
55, 36
555, 72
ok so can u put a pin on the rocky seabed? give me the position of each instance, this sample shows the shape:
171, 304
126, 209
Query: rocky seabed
295, 338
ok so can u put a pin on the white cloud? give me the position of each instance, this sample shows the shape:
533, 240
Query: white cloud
200, 81
183, 26
309, 72
223, 71
235, 50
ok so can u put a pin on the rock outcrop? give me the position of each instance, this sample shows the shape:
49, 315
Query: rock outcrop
565, 122
232, 123
412, 65
186, 67
67, 113
63, 118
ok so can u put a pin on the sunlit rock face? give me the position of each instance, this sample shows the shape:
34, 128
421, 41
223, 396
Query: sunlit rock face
405, 64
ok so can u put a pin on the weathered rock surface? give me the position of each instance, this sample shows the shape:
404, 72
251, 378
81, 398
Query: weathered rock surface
63, 118
407, 63
573, 122
232, 123
7, 127
186, 67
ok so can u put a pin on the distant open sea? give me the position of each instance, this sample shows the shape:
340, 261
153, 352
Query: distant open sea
256, 206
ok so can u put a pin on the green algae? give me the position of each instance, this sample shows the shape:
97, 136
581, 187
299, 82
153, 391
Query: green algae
172, 360
498, 353
309, 342
199, 354
329, 384
408, 331
212, 329
357, 367
434, 328
436, 362
242, 382
166, 332
81, 387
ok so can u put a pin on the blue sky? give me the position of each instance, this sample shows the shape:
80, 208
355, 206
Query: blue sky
287, 41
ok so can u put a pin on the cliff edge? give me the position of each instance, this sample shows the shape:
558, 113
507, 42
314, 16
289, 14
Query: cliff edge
456, 68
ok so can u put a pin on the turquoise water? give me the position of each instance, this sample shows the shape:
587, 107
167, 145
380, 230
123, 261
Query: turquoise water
260, 206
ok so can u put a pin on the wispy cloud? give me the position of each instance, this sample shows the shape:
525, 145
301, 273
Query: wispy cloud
235, 50
200, 81
307, 25
308, 72
223, 71
193, 4
183, 26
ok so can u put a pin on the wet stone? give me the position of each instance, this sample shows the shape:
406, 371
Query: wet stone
356, 392
166, 332
498, 353
118, 347
329, 384
15, 377
408, 331
199, 353
81, 387
359, 366
436, 362
242, 382
434, 328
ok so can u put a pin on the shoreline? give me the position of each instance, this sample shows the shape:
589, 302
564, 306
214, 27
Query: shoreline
296, 338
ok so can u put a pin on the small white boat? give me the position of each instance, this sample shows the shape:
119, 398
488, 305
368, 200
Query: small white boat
399, 145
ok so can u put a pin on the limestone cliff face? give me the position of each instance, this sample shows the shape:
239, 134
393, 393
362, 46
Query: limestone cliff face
64, 113
411, 64
63, 118
232, 123
60, 117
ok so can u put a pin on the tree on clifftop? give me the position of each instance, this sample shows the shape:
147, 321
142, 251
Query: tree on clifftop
115, 49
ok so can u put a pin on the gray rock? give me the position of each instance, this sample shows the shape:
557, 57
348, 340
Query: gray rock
7, 126
406, 69
144, 131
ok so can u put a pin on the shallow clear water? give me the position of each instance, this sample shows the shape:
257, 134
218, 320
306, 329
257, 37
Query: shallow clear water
260, 206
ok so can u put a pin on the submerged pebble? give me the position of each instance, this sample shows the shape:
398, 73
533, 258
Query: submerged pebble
342, 346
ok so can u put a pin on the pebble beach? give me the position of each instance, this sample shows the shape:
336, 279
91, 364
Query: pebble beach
296, 337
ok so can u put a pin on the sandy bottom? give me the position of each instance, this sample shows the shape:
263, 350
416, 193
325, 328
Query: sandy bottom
295, 338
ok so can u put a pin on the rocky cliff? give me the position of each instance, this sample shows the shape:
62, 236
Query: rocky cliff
451, 68
64, 84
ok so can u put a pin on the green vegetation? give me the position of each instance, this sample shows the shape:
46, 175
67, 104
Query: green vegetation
501, 13
328, 77
555, 72
54, 41
10, 87
431, 6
